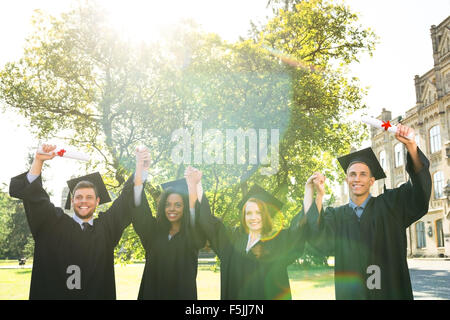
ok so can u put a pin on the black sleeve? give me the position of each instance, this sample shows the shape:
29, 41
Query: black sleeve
197, 235
38, 208
321, 229
212, 227
144, 223
118, 216
291, 241
410, 200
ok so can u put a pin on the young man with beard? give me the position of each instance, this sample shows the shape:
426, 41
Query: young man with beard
74, 257
367, 236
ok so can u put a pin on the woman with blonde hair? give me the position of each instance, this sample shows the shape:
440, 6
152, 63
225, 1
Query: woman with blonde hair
253, 261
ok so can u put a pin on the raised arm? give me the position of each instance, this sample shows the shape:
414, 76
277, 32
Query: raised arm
321, 223
211, 227
28, 187
410, 145
410, 201
131, 201
193, 178
314, 183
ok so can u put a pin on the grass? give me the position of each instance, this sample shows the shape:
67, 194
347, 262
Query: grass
13, 262
14, 284
312, 284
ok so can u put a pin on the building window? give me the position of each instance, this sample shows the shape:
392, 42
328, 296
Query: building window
398, 152
438, 181
435, 139
420, 235
439, 233
383, 159
417, 138
447, 77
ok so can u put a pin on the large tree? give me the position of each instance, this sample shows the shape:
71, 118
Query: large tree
79, 79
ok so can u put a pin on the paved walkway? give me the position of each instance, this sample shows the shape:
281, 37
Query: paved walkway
430, 278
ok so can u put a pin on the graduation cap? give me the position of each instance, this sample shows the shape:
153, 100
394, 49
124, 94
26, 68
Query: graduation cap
94, 178
366, 156
261, 194
180, 186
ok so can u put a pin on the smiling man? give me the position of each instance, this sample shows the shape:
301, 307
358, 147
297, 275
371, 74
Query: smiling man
367, 236
74, 257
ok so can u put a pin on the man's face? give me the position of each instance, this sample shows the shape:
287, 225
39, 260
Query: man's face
359, 179
85, 202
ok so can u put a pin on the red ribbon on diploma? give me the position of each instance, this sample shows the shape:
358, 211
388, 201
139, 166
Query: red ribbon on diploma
386, 125
61, 152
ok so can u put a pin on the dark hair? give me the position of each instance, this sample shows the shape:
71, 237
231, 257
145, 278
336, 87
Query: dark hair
161, 211
85, 185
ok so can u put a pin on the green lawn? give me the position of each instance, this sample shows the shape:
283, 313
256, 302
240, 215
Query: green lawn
314, 284
13, 262
14, 284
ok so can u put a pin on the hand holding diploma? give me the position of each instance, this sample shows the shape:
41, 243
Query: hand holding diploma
44, 150
47, 153
403, 134
386, 125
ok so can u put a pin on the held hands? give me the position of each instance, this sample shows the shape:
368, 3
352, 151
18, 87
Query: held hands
193, 179
193, 176
142, 163
142, 159
316, 183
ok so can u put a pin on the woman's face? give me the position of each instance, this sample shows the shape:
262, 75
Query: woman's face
174, 207
253, 217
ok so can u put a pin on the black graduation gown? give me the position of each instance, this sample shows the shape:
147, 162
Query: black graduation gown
378, 239
260, 274
61, 243
170, 271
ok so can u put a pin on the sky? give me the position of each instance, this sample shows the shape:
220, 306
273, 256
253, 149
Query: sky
404, 50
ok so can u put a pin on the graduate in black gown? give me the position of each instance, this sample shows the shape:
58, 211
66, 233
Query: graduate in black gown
73, 257
367, 236
253, 265
171, 242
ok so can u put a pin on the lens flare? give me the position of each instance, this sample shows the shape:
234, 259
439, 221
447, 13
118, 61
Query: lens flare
351, 280
293, 62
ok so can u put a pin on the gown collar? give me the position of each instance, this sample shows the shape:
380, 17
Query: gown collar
80, 222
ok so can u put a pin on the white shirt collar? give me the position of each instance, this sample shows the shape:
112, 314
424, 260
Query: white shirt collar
80, 222
251, 245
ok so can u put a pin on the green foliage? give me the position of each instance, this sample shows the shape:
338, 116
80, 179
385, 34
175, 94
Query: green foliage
15, 237
312, 258
79, 79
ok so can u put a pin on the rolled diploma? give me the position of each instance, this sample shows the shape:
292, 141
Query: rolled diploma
68, 154
378, 124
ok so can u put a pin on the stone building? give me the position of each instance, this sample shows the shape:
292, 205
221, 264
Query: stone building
430, 119
64, 196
